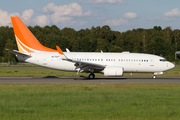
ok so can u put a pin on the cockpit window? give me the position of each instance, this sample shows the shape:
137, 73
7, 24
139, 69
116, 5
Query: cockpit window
163, 60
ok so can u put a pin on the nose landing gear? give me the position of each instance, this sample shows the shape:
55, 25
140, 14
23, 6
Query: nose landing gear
156, 73
154, 77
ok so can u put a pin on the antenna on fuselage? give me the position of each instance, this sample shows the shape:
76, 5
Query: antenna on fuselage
67, 50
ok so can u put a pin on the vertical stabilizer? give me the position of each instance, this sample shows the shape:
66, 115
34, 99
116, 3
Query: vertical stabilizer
25, 40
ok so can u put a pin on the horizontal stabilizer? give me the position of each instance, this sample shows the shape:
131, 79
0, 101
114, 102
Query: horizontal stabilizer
18, 53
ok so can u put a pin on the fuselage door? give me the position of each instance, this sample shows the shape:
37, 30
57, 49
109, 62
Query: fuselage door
151, 62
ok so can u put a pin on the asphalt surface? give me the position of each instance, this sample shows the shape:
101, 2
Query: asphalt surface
85, 80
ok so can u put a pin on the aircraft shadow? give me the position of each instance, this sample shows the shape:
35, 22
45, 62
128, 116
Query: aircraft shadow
50, 77
86, 78
127, 78
113, 78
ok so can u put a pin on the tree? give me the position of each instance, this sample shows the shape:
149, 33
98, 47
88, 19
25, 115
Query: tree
156, 47
93, 45
51, 40
8, 55
158, 28
106, 34
38, 33
4, 31
154, 40
82, 45
64, 43
101, 45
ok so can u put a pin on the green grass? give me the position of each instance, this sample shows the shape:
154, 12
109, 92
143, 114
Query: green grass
35, 71
89, 101
21, 71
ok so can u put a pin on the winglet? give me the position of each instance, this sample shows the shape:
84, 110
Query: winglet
61, 53
59, 50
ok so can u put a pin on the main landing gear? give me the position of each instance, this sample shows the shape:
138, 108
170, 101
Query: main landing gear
91, 76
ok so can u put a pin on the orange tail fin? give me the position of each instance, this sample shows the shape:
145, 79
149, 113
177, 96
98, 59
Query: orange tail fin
25, 40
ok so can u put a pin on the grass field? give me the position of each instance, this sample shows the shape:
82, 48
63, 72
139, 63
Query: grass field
89, 102
43, 72
86, 101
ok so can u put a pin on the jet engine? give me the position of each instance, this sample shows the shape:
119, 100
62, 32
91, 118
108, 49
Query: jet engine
113, 71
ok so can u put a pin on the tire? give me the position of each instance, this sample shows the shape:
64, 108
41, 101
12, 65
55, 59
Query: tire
91, 76
154, 77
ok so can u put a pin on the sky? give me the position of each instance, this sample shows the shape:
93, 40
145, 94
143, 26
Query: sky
120, 15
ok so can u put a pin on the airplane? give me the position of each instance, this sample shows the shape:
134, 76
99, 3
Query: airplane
110, 64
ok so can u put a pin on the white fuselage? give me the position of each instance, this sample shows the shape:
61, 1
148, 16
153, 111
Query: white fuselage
131, 62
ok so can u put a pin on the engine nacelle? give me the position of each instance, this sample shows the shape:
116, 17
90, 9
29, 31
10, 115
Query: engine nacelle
113, 71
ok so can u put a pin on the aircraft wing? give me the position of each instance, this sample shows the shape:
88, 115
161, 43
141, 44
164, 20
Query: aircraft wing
18, 53
81, 64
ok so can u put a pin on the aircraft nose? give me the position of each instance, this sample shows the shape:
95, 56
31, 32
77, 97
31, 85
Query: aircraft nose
171, 65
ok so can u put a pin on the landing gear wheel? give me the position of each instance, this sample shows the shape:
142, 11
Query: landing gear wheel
91, 76
154, 77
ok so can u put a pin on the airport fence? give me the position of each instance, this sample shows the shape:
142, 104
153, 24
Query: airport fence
177, 63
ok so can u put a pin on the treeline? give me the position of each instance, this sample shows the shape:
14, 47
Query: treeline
162, 42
